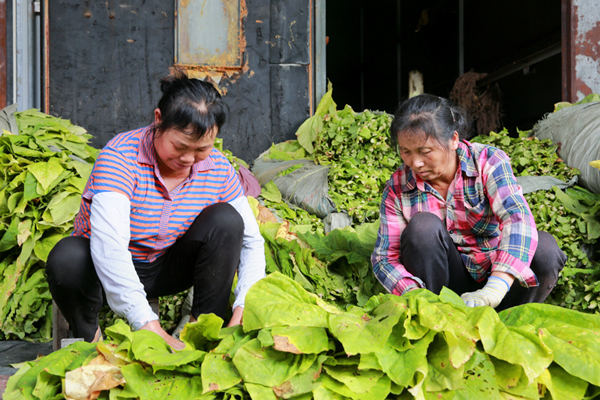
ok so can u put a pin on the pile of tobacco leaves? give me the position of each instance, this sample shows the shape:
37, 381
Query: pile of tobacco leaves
294, 345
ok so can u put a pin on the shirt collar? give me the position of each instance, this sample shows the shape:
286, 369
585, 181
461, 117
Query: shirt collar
409, 181
147, 155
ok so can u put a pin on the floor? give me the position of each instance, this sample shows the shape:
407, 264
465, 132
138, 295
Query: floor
16, 351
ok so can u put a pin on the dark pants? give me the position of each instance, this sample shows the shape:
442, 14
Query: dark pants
205, 257
428, 252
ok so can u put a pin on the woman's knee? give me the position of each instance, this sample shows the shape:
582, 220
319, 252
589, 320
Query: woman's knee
221, 219
422, 228
70, 260
548, 259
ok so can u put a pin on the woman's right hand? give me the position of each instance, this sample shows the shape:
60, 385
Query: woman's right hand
154, 326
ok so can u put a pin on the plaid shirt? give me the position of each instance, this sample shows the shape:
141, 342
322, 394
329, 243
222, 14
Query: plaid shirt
485, 214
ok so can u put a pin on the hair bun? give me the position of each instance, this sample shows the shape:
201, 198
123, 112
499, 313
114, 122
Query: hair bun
177, 76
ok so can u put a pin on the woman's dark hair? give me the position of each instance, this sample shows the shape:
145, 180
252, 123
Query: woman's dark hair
433, 116
189, 105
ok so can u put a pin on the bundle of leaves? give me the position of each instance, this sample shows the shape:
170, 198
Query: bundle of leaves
293, 345
336, 267
356, 148
300, 219
555, 213
44, 171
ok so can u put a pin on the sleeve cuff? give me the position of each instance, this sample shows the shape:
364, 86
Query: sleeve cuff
511, 265
140, 315
406, 284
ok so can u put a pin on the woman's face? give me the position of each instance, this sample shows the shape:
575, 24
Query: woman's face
177, 152
427, 158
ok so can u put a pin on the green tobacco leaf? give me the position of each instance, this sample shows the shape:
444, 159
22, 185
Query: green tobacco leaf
308, 131
271, 192
161, 385
326, 102
201, 333
364, 333
401, 366
63, 207
266, 366
303, 383
46, 172
300, 339
218, 373
277, 300
341, 243
9, 239
30, 187
259, 391
572, 336
379, 392
442, 375
150, 348
563, 385
358, 381
516, 345
24, 385
42, 247
479, 379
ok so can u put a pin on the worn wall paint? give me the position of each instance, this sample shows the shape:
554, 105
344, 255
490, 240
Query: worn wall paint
586, 48
107, 57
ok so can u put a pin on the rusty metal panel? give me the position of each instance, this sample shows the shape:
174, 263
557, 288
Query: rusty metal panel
208, 33
582, 61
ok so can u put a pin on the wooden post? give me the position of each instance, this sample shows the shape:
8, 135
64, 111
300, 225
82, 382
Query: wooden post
60, 327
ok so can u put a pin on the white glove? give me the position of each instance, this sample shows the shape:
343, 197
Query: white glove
490, 295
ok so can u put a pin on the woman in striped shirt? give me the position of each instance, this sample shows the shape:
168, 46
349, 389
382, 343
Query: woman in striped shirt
453, 215
162, 211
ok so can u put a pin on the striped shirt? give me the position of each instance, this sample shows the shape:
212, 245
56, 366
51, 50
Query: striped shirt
128, 165
485, 214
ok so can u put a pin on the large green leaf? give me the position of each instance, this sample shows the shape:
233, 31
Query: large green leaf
357, 380
516, 345
219, 373
161, 385
300, 339
442, 374
266, 366
46, 172
401, 366
378, 392
308, 131
479, 379
362, 333
277, 300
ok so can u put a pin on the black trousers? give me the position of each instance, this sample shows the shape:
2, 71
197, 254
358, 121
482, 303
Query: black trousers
205, 257
428, 252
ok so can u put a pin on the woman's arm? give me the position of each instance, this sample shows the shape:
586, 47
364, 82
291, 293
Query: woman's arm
386, 255
519, 234
109, 243
252, 258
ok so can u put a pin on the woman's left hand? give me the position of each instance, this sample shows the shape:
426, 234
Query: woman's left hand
492, 293
236, 319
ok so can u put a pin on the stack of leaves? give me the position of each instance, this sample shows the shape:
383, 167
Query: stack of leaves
44, 171
293, 345
300, 219
555, 213
335, 267
356, 148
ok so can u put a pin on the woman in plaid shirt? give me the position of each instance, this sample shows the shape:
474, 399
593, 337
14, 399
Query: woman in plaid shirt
453, 215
